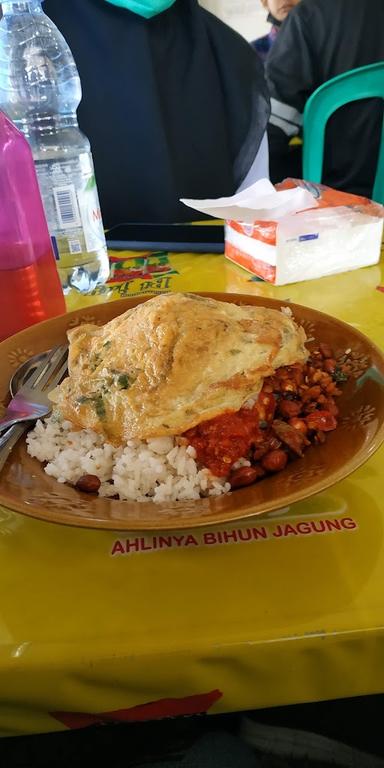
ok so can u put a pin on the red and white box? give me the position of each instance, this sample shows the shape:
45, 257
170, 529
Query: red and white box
298, 230
340, 233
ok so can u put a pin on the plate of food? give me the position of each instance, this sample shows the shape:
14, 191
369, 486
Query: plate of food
182, 410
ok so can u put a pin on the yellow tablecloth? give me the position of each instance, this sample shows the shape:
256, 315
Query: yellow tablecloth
97, 626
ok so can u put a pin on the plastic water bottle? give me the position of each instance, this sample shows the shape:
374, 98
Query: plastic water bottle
30, 289
40, 91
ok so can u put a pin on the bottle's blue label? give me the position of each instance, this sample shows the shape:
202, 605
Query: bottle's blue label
302, 238
55, 248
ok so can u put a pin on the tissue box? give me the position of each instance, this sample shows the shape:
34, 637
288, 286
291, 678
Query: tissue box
340, 233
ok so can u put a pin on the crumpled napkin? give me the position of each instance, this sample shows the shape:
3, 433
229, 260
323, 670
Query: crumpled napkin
260, 202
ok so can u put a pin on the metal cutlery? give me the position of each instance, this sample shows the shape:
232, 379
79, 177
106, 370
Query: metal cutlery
46, 372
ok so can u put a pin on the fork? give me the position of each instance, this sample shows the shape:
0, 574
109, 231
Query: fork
31, 401
46, 376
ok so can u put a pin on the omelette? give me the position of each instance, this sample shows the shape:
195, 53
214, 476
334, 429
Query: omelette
171, 363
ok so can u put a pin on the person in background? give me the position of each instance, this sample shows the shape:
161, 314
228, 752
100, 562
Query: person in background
278, 11
319, 40
174, 103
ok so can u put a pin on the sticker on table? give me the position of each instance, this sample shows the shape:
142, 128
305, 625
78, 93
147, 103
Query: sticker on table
197, 704
140, 274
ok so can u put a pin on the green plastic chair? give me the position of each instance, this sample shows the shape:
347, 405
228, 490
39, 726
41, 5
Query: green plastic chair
363, 83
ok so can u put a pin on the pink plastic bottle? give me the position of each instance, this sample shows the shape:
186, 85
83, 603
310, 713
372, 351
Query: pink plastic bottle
30, 289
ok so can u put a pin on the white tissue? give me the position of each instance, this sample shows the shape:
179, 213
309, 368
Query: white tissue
256, 203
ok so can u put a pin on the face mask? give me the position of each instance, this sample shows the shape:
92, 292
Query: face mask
145, 8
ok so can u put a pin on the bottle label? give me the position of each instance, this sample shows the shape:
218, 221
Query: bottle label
91, 215
71, 203
74, 246
67, 208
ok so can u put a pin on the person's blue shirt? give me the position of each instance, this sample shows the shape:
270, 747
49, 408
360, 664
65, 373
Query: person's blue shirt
264, 44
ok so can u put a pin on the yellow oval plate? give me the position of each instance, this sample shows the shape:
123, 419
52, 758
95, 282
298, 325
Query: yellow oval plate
24, 486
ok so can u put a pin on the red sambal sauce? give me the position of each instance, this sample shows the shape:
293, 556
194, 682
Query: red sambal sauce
221, 441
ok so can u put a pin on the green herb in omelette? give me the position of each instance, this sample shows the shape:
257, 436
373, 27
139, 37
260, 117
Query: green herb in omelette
83, 399
100, 407
123, 381
97, 402
96, 360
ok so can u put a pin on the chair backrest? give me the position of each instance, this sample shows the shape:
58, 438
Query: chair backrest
363, 83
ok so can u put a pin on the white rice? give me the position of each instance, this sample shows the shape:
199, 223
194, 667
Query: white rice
160, 469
